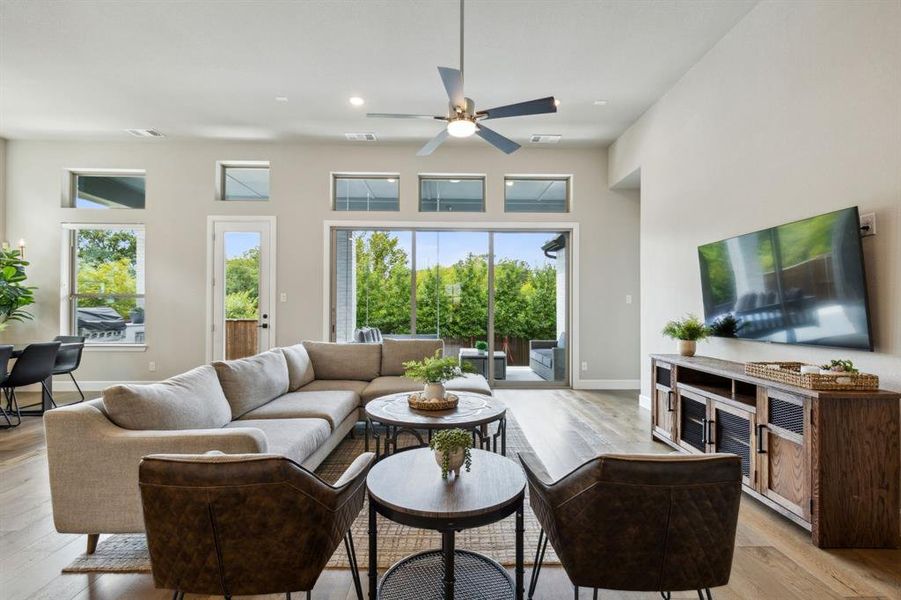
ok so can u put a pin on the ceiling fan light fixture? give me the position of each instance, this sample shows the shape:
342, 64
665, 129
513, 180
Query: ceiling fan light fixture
461, 128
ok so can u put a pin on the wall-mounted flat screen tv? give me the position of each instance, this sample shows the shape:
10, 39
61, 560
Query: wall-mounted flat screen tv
798, 283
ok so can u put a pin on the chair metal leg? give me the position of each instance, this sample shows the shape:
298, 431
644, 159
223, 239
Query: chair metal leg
539, 560
354, 567
77, 387
705, 593
175, 595
666, 595
309, 594
3, 413
287, 595
49, 395
576, 592
709, 594
594, 596
12, 405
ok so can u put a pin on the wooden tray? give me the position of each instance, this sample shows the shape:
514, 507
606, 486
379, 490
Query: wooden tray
790, 373
417, 402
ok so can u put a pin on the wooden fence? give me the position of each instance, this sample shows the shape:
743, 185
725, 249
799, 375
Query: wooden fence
241, 338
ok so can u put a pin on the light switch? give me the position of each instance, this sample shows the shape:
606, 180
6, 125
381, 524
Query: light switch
151, 366
584, 365
283, 297
628, 298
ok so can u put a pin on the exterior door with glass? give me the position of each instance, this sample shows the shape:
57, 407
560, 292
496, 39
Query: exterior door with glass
241, 284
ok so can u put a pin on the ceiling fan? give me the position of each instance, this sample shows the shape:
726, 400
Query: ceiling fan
462, 118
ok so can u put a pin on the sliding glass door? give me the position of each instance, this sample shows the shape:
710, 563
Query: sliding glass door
507, 290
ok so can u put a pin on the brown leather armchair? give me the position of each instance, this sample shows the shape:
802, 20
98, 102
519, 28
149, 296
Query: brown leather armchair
652, 523
235, 524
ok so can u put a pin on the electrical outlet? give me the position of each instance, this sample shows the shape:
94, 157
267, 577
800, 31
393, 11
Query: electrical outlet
584, 365
628, 298
151, 366
868, 224
283, 297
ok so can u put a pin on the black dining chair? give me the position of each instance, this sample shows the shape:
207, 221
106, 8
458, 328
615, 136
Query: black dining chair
34, 365
6, 351
68, 358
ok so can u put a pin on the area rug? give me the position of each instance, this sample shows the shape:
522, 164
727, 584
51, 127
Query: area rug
127, 553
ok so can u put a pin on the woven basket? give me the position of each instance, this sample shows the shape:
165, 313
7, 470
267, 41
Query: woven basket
417, 402
790, 373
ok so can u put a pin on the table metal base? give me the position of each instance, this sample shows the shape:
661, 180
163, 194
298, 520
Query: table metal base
482, 437
421, 577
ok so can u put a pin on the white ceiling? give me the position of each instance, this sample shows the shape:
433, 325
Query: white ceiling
212, 70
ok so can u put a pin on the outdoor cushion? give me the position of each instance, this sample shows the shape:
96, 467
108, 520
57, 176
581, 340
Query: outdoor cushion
396, 352
331, 406
345, 361
544, 356
300, 368
296, 439
192, 400
325, 385
253, 381
391, 384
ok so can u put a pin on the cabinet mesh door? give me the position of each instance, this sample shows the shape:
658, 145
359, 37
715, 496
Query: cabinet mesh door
787, 415
692, 423
733, 434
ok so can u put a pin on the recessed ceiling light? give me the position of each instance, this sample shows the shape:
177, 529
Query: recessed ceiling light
556, 102
281, 98
357, 101
509, 184
600, 102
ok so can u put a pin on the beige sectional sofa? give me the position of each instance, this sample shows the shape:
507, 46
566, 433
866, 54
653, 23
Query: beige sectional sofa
299, 401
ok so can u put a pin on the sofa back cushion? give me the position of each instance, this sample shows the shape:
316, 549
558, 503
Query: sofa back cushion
360, 362
192, 400
300, 367
251, 382
396, 352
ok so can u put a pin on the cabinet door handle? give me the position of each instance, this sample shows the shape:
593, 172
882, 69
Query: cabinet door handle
669, 402
710, 431
704, 431
760, 449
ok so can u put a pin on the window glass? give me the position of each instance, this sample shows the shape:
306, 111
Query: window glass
366, 193
451, 195
107, 191
536, 195
243, 183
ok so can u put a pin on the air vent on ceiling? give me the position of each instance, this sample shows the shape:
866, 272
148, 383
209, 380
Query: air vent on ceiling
360, 137
145, 133
545, 138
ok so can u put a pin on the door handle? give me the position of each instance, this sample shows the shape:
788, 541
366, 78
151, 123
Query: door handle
669, 402
760, 449
709, 432
704, 431
264, 325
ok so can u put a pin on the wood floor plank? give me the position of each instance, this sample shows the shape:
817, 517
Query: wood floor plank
774, 558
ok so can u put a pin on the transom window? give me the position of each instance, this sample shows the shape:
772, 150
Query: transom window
451, 193
104, 190
536, 194
364, 192
243, 181
105, 303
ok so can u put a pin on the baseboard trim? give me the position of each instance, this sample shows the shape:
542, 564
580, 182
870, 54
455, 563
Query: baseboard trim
607, 384
644, 401
65, 385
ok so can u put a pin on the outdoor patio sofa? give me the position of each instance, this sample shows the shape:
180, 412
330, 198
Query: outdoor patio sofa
547, 358
299, 402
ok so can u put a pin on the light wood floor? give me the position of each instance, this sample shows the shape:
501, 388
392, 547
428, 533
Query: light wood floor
773, 560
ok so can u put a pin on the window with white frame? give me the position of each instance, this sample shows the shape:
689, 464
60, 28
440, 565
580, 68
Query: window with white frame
526, 194
105, 283
246, 181
440, 193
365, 192
105, 189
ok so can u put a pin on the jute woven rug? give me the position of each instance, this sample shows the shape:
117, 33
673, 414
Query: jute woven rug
127, 553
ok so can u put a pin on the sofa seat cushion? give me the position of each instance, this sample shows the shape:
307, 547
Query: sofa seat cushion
251, 382
300, 367
333, 406
296, 439
192, 400
396, 352
360, 362
392, 384
543, 356
330, 385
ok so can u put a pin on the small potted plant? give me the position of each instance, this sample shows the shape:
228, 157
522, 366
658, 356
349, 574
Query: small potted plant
453, 449
434, 371
687, 331
839, 366
482, 346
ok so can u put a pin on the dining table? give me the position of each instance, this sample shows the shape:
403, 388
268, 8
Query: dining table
46, 390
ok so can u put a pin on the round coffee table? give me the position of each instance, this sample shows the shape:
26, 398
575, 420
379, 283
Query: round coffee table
474, 413
408, 489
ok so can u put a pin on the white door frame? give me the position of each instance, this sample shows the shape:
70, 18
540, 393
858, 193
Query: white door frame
210, 269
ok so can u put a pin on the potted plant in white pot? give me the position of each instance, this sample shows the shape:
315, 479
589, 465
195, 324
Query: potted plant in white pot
452, 449
687, 332
434, 372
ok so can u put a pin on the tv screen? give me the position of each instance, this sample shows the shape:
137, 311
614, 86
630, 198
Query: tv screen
799, 283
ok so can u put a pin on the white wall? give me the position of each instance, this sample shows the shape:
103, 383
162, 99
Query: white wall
2, 190
795, 112
180, 195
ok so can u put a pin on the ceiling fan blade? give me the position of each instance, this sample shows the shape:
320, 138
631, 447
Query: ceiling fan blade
532, 107
433, 143
503, 144
453, 83
404, 116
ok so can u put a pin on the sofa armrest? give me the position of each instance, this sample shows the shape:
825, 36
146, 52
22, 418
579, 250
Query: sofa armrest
93, 465
541, 344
